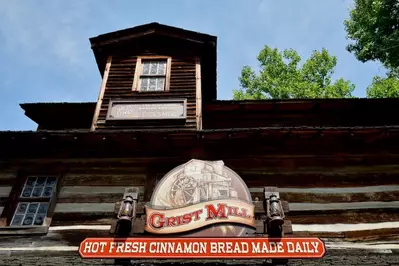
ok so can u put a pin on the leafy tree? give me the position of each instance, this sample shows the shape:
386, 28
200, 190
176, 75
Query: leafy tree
282, 77
384, 88
374, 27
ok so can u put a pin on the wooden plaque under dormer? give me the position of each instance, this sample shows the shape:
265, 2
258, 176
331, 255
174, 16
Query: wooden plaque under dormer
147, 110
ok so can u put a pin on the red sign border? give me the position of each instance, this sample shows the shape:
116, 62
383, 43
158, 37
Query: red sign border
145, 256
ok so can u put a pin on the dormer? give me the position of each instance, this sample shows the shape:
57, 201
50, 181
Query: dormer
154, 76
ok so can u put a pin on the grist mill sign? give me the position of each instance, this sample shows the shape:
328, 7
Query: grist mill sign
147, 109
201, 194
201, 210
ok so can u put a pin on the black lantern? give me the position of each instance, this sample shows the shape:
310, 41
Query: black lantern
274, 212
127, 212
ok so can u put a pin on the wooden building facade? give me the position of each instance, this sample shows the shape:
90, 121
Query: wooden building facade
336, 161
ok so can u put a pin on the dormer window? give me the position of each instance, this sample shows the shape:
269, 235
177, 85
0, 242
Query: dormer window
152, 74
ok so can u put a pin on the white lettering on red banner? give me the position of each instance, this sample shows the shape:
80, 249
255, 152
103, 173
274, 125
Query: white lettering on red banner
233, 248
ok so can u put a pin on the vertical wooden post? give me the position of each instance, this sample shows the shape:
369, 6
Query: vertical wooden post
150, 181
137, 71
198, 90
101, 95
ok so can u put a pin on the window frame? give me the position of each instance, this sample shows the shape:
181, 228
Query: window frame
139, 67
14, 199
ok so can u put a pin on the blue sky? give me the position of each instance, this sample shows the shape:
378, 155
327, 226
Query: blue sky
46, 56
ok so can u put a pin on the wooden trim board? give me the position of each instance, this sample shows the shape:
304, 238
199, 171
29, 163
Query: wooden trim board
94, 194
101, 95
367, 189
198, 94
295, 227
343, 206
5, 191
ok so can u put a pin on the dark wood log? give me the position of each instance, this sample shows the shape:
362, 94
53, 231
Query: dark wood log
258, 207
20, 230
345, 166
104, 180
335, 197
65, 219
350, 217
317, 179
378, 234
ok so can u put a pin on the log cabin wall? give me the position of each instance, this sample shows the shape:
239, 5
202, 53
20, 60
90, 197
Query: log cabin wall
349, 202
330, 198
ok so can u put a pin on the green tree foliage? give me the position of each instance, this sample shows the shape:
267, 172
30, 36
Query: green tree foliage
374, 27
282, 77
384, 88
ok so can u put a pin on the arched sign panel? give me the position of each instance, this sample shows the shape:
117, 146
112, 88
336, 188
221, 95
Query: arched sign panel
201, 199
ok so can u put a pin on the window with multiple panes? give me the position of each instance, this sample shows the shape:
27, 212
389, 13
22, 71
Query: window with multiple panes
34, 201
152, 74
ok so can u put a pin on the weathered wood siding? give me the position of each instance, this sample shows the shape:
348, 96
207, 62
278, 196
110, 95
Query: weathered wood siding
318, 112
84, 196
120, 82
339, 208
7, 179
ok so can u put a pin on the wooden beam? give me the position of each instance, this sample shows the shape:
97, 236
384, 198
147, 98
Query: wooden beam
345, 227
168, 73
349, 217
336, 195
101, 95
150, 182
293, 207
332, 190
198, 90
5, 191
296, 227
106, 179
304, 180
20, 230
113, 194
68, 191
264, 164
85, 208
92, 194
136, 78
317, 207
373, 234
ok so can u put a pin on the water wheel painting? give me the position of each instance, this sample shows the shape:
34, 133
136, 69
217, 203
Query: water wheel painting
183, 191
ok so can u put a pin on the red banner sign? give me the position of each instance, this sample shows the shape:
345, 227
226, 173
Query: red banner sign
202, 248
